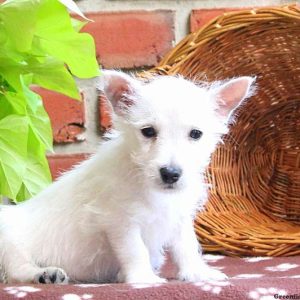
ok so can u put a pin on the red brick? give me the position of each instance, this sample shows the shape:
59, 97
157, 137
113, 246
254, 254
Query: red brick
131, 39
67, 115
60, 163
104, 113
200, 17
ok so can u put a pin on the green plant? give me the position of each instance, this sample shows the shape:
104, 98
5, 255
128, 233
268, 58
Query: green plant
39, 44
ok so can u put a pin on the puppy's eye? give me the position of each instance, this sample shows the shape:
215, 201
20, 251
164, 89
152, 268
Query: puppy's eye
196, 134
149, 132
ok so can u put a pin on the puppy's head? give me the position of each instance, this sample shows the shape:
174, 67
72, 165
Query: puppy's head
171, 125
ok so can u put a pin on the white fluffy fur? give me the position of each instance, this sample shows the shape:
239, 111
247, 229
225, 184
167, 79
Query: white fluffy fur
111, 217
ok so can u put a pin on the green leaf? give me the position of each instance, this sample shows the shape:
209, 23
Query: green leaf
11, 70
53, 75
82, 62
77, 25
13, 153
28, 104
3, 34
36, 176
12, 103
50, 74
19, 17
39, 119
59, 39
40, 124
39, 43
5, 107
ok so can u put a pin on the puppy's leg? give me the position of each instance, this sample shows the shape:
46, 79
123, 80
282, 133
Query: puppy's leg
19, 267
157, 259
186, 254
132, 255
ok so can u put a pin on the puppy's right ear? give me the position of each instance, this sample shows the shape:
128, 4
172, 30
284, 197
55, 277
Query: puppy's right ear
120, 89
231, 94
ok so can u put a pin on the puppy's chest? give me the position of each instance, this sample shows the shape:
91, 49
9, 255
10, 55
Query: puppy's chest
161, 226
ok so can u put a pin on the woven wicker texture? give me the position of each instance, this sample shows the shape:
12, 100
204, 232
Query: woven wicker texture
254, 206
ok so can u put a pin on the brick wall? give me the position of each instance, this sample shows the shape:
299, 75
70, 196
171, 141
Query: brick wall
129, 34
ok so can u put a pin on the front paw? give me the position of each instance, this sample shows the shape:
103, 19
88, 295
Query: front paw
202, 274
51, 275
144, 278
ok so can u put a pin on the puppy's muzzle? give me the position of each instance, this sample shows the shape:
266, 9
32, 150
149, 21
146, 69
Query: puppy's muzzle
170, 175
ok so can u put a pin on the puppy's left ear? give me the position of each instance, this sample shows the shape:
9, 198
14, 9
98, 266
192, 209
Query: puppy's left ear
231, 94
120, 89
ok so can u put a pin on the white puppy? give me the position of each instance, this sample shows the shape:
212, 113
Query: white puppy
112, 217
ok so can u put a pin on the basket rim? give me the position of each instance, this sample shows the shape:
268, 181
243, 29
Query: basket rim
225, 22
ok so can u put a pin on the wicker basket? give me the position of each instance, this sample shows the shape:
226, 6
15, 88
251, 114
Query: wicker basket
254, 206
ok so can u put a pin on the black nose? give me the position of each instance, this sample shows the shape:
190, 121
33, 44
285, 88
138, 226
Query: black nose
170, 174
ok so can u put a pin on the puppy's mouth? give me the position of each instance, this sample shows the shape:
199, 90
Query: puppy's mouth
162, 186
170, 187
